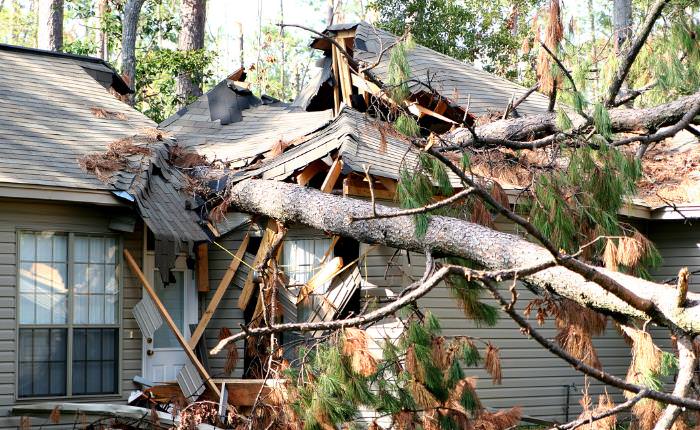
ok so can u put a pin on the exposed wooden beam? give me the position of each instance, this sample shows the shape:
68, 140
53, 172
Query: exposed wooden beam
308, 173
168, 320
358, 188
332, 176
336, 77
202, 268
421, 111
265, 243
389, 184
220, 291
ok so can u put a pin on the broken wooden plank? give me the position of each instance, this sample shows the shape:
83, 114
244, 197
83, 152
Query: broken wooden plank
389, 184
323, 275
243, 392
421, 111
168, 319
336, 78
203, 268
220, 291
265, 243
308, 173
332, 176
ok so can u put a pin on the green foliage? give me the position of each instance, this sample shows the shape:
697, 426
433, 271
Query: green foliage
329, 392
155, 84
466, 30
407, 126
582, 201
563, 121
601, 120
468, 293
399, 72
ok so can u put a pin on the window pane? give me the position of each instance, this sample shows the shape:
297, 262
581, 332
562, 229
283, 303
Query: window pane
81, 247
97, 279
42, 280
95, 372
27, 245
111, 250
60, 248
44, 247
80, 309
42, 362
97, 250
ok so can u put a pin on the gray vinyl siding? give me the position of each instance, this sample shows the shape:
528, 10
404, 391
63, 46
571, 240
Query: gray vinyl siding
17, 215
227, 314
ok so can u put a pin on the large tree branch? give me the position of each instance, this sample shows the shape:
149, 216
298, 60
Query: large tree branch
523, 130
628, 60
448, 236
687, 362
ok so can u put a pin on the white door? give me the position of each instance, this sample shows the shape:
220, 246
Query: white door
163, 356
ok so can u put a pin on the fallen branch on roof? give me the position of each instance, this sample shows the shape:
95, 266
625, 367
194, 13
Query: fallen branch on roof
448, 236
518, 132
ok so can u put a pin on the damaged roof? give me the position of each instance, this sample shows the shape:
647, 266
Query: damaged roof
258, 129
55, 108
459, 81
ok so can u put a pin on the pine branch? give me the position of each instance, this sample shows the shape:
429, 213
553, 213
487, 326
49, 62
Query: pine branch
653, 15
612, 411
598, 374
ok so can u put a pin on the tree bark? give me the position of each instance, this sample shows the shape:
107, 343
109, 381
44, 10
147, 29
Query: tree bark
623, 120
448, 236
193, 16
50, 35
102, 41
622, 23
130, 21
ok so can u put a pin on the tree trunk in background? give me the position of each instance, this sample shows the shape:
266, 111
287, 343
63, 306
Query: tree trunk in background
50, 35
239, 27
102, 42
130, 21
282, 59
192, 16
622, 23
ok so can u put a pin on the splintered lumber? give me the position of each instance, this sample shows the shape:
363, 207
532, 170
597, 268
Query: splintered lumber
306, 175
265, 243
168, 320
220, 291
353, 186
336, 76
324, 274
92, 410
203, 268
421, 111
389, 184
243, 392
332, 176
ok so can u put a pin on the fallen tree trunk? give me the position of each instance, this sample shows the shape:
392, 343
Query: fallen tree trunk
449, 236
622, 120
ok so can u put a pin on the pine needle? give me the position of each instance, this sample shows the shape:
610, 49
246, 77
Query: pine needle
500, 420
492, 363
481, 215
355, 348
232, 351
610, 257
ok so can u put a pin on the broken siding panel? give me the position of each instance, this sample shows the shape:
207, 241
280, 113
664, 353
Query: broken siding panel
70, 218
532, 377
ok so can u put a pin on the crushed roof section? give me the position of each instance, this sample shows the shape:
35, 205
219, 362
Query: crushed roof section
461, 82
359, 139
671, 172
47, 120
237, 144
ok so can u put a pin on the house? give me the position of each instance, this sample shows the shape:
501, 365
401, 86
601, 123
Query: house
79, 327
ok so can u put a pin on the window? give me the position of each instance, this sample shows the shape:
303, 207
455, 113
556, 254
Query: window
68, 314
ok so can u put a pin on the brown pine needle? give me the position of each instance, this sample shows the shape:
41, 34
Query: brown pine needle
492, 363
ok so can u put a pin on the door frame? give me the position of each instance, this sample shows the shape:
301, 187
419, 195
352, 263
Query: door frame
190, 298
